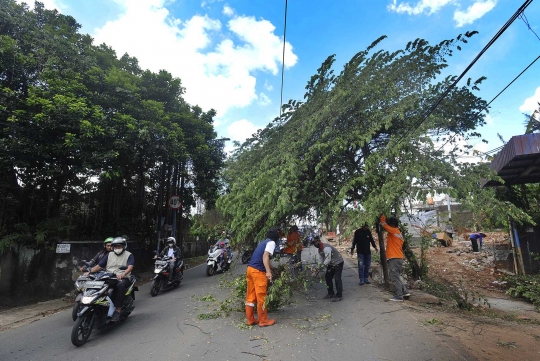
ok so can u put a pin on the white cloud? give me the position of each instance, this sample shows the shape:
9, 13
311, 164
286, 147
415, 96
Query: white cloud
241, 130
531, 104
267, 86
422, 6
216, 66
473, 12
264, 100
227, 10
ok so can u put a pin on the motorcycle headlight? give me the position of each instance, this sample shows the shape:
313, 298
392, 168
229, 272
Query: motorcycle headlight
88, 299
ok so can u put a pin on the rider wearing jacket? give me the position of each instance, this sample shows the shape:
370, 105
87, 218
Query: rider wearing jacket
173, 253
112, 262
107, 248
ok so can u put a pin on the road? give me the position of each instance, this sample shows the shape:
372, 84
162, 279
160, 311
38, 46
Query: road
361, 327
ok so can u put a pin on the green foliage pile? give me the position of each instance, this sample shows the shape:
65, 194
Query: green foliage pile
89, 139
360, 136
525, 287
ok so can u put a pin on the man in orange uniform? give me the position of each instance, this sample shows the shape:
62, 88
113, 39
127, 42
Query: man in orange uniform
294, 248
259, 273
394, 256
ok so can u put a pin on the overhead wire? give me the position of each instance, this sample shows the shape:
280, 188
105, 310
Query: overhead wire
526, 21
455, 82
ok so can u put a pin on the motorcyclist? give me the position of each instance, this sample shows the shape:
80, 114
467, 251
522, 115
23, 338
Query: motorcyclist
111, 263
173, 253
226, 241
223, 255
107, 248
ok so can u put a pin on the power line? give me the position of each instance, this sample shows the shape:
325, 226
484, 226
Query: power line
526, 21
447, 91
283, 58
496, 96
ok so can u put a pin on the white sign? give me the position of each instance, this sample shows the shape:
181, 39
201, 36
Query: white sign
63, 248
174, 202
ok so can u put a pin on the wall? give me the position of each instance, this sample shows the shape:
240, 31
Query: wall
31, 275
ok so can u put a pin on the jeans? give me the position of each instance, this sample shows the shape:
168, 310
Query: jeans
364, 262
395, 265
172, 263
334, 272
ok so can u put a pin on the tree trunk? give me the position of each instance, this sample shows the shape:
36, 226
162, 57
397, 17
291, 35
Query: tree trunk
382, 252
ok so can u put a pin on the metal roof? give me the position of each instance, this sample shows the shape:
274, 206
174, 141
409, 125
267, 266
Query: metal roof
519, 161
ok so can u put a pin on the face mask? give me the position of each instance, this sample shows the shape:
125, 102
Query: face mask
118, 251
171, 245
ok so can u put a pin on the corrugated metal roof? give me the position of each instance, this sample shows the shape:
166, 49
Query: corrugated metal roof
519, 161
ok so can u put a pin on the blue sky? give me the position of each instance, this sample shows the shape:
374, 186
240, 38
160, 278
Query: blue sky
228, 52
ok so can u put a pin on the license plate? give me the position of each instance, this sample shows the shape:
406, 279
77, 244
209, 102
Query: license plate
94, 284
160, 263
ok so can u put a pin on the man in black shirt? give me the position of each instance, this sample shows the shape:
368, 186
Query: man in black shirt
362, 239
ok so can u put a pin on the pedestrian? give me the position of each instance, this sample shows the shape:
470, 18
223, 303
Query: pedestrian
394, 256
362, 239
333, 261
293, 249
258, 274
475, 238
449, 230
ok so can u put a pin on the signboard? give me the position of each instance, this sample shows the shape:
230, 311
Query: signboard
174, 202
63, 248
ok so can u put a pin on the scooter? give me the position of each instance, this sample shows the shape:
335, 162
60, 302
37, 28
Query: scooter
161, 278
97, 306
213, 263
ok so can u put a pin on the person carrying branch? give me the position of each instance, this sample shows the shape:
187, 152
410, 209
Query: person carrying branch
394, 256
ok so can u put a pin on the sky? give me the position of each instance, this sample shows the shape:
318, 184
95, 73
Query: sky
228, 53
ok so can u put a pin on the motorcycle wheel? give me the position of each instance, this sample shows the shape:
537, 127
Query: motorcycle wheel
210, 270
75, 310
246, 257
156, 285
82, 329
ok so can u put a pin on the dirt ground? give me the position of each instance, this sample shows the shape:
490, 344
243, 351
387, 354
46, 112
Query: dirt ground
487, 333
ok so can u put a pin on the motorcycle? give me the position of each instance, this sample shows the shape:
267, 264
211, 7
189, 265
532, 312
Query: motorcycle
161, 278
213, 263
97, 306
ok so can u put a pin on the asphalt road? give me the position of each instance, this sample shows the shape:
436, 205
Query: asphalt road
361, 327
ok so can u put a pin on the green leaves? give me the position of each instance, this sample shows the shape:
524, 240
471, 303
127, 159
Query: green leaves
359, 136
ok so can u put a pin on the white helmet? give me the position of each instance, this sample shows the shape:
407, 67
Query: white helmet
171, 239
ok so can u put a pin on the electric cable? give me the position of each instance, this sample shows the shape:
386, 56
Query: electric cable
496, 96
526, 21
283, 58
452, 86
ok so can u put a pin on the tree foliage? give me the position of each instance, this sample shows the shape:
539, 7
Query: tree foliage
360, 135
89, 139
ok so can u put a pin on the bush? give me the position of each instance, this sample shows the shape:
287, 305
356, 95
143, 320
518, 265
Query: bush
525, 287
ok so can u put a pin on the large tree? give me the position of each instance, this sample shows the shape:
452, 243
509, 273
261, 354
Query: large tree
91, 140
359, 136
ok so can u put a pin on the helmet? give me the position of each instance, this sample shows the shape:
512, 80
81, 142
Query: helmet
221, 244
119, 241
107, 241
171, 239
273, 234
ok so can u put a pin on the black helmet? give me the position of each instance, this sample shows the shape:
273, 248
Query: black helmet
119, 241
273, 234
